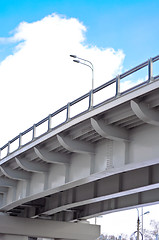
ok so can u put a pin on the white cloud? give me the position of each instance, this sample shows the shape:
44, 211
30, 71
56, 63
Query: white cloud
39, 77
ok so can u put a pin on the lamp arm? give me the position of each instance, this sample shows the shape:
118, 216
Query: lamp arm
85, 61
87, 65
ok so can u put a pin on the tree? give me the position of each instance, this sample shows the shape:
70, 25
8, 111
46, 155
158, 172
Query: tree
112, 237
155, 226
151, 234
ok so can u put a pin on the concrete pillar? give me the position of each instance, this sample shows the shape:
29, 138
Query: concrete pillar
12, 237
15, 237
41, 228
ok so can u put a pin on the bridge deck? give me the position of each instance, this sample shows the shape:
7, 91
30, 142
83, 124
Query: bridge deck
102, 160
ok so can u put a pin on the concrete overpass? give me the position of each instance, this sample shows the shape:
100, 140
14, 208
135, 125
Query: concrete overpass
99, 159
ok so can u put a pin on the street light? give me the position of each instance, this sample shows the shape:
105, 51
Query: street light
90, 65
138, 222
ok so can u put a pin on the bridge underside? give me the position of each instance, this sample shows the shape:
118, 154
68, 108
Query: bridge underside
102, 161
122, 190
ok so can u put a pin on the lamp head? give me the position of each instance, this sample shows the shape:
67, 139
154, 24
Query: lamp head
77, 61
74, 56
146, 212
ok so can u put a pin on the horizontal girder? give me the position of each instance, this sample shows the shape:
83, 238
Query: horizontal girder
111, 187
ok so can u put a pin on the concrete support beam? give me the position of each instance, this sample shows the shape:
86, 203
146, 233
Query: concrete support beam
3, 189
51, 157
109, 131
75, 145
7, 182
147, 115
31, 166
15, 174
48, 228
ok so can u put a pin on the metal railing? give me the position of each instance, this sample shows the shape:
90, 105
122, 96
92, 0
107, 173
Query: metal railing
89, 95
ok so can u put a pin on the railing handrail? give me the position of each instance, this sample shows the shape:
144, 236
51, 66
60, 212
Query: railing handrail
89, 95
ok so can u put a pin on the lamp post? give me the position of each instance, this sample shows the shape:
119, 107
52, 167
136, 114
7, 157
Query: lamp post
138, 225
90, 65
138, 222
142, 215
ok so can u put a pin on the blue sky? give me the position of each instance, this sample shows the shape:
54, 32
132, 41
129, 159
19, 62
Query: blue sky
120, 24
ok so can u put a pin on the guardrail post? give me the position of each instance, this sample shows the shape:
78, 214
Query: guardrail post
117, 86
150, 70
34, 131
49, 122
68, 112
90, 100
8, 150
20, 140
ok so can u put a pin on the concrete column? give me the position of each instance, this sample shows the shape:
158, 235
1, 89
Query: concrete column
12, 237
